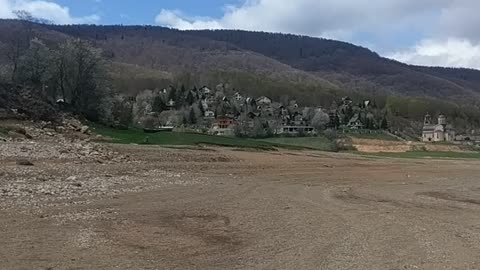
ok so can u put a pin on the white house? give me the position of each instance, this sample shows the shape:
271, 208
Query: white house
296, 130
206, 90
263, 101
209, 114
237, 96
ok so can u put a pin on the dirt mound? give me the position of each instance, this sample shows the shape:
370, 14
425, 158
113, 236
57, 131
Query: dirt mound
379, 146
376, 146
19, 102
66, 140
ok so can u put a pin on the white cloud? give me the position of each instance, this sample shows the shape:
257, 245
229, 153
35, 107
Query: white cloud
460, 19
441, 32
451, 52
177, 20
44, 10
335, 18
6, 9
453, 42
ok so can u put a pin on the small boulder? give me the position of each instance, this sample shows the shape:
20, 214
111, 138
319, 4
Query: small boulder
20, 130
15, 135
60, 129
24, 162
84, 130
72, 178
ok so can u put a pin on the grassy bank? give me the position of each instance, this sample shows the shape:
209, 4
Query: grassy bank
317, 143
137, 136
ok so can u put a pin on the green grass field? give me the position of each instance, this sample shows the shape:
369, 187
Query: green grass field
425, 154
317, 143
137, 136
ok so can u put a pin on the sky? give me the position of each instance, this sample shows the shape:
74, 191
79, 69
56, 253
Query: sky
422, 32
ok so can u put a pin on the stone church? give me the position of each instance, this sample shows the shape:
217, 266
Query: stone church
437, 132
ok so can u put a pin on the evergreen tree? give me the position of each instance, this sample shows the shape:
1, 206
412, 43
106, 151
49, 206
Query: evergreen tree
158, 105
190, 99
220, 110
192, 117
180, 97
384, 124
349, 112
200, 108
346, 119
172, 95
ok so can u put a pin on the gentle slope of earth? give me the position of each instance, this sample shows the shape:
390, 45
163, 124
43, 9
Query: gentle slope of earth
223, 209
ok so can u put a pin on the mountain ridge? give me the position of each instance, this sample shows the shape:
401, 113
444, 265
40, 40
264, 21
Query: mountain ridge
327, 64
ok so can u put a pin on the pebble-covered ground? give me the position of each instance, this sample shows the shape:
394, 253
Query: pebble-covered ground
69, 202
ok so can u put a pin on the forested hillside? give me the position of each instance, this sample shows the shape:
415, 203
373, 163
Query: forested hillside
311, 70
353, 66
288, 57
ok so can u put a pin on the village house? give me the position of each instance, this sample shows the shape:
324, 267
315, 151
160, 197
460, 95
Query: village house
210, 100
298, 120
171, 104
204, 104
355, 122
263, 101
209, 114
368, 104
267, 111
281, 110
223, 126
439, 132
237, 96
249, 119
206, 91
347, 101
295, 130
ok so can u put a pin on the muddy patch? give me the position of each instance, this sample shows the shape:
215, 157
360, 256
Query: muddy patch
350, 196
449, 197
187, 235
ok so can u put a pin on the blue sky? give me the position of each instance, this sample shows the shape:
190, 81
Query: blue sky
143, 11
131, 12
422, 32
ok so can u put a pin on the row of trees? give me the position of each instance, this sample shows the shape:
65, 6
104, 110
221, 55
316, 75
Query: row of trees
74, 74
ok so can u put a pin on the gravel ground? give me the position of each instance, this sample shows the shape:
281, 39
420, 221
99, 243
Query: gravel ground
84, 205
